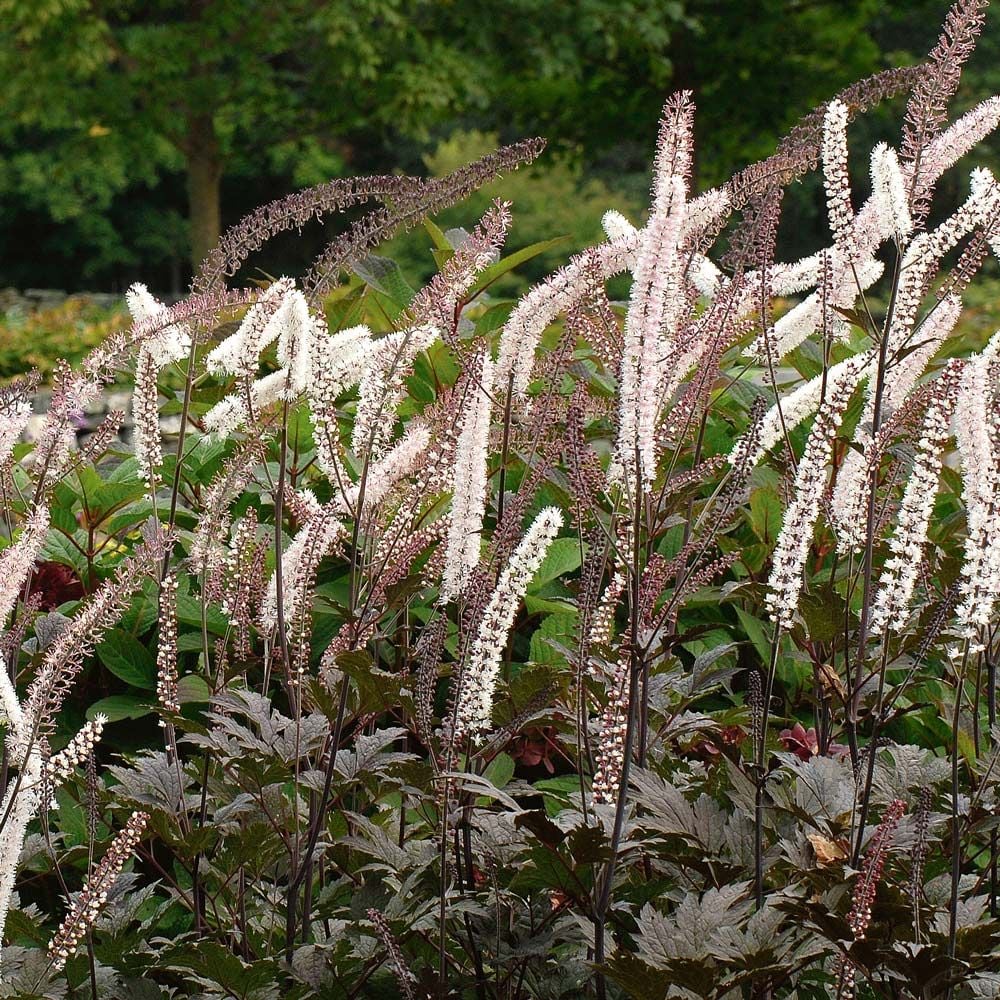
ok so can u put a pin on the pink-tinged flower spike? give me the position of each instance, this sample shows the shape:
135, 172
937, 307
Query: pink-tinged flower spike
338, 363
603, 623
860, 916
397, 463
654, 302
804, 319
835, 178
167, 345
977, 429
906, 547
16, 562
65, 657
543, 302
155, 352
792, 547
299, 562
889, 191
295, 342
13, 419
437, 303
674, 151
469, 486
87, 906
950, 146
616, 226
791, 410
381, 388
146, 418
239, 353
478, 678
903, 372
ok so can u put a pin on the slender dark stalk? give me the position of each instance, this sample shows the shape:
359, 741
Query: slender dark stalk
761, 774
956, 827
635, 668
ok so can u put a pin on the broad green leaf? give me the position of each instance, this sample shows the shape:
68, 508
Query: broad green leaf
558, 628
385, 276
756, 634
562, 557
193, 688
506, 264
765, 514
121, 706
128, 659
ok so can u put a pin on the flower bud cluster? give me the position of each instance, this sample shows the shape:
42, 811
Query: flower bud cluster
91, 899
78, 751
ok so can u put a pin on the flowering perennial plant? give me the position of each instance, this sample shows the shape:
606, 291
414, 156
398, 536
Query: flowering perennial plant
731, 546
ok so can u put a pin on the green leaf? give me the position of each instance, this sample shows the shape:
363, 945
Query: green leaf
189, 612
193, 688
500, 770
559, 628
59, 549
755, 633
121, 706
562, 557
128, 659
443, 251
385, 276
502, 267
765, 515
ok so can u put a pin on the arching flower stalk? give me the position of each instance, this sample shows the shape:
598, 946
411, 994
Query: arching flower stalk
478, 676
901, 569
795, 538
155, 352
468, 505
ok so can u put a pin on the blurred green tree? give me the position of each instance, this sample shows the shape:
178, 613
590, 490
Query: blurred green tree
124, 89
122, 118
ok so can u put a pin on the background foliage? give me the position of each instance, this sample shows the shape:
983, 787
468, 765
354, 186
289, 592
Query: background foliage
123, 123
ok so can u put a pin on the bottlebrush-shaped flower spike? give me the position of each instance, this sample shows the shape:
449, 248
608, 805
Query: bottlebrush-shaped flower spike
835, 178
166, 650
155, 352
299, 562
88, 904
61, 765
792, 547
977, 429
239, 353
397, 463
388, 364
791, 410
478, 678
889, 191
468, 504
901, 569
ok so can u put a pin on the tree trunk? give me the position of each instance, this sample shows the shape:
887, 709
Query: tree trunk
204, 176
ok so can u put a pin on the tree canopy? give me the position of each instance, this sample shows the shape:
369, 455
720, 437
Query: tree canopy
133, 131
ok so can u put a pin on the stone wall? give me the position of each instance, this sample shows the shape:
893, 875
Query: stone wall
30, 300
